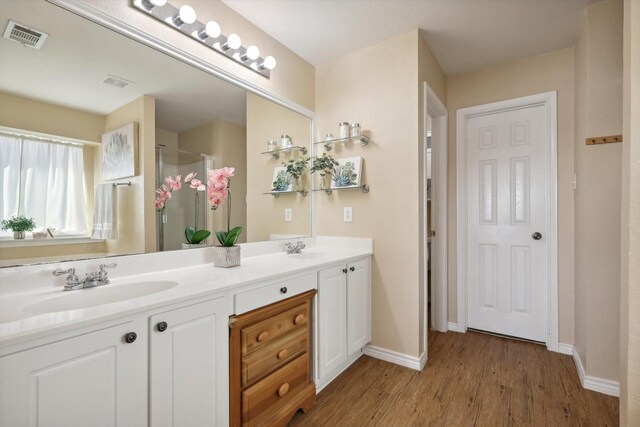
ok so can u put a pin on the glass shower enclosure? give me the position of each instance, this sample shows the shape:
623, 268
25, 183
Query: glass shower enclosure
180, 211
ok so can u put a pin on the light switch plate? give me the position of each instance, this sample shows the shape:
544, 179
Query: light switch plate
288, 215
348, 214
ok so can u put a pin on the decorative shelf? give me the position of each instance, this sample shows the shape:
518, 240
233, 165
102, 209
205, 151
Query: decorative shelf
277, 194
276, 153
364, 188
328, 144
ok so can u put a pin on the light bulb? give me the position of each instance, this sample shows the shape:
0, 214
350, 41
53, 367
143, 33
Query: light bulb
186, 16
233, 41
253, 52
269, 63
212, 29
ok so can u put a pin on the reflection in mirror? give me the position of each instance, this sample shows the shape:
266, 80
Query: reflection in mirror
86, 81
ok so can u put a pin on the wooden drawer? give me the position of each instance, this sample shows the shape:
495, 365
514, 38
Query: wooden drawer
273, 355
265, 398
273, 292
264, 332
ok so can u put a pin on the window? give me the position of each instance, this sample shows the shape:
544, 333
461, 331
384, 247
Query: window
45, 181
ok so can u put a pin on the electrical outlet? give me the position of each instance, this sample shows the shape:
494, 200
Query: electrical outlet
348, 214
288, 215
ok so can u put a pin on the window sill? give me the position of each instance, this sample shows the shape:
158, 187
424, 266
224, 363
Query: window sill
14, 243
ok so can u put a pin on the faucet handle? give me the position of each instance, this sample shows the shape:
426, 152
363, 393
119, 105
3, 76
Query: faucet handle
60, 272
301, 244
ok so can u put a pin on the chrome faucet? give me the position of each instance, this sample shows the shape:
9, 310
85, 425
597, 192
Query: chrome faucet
291, 249
98, 278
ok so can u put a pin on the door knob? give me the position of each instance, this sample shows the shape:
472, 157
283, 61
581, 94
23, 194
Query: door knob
352, 268
162, 326
130, 337
344, 270
536, 236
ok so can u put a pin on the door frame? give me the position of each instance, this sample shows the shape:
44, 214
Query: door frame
434, 108
549, 101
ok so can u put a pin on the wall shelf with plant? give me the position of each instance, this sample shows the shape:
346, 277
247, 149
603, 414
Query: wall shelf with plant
276, 153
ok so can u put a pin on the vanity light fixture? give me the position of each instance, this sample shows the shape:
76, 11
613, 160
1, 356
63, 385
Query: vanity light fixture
184, 19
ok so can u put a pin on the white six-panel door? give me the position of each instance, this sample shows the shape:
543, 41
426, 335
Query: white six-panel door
506, 184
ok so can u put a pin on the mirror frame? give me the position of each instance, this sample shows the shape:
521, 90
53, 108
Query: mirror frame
99, 17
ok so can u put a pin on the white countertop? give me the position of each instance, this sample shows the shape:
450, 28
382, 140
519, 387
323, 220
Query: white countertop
19, 324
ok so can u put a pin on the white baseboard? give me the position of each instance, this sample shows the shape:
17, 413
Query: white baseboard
565, 348
412, 362
454, 327
611, 388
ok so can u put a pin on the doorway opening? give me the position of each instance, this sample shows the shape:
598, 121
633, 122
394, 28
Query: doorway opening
433, 239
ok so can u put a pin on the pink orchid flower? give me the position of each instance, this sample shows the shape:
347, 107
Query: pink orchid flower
190, 177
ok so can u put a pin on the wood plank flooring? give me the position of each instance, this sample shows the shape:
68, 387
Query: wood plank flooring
471, 379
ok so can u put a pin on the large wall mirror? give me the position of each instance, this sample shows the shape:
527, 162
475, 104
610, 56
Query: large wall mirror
59, 101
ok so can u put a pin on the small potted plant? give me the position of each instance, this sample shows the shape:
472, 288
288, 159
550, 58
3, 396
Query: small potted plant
194, 237
219, 191
325, 166
19, 225
295, 168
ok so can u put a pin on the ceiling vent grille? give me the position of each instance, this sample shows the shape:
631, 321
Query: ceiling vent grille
25, 35
118, 82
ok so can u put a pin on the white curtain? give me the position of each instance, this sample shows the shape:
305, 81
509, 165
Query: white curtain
44, 181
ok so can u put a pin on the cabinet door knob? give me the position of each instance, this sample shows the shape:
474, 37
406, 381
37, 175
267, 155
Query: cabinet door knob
283, 353
299, 319
130, 337
283, 389
162, 326
344, 270
263, 336
283, 290
352, 268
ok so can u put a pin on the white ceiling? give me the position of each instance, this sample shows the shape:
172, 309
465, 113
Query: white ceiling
78, 55
464, 35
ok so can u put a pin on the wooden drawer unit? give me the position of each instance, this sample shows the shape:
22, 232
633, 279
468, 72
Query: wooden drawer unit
270, 368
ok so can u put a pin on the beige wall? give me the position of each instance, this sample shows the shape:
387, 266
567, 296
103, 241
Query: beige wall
267, 121
630, 291
37, 116
598, 112
384, 99
226, 142
136, 214
292, 79
548, 72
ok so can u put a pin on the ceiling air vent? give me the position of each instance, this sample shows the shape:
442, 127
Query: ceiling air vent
25, 35
118, 82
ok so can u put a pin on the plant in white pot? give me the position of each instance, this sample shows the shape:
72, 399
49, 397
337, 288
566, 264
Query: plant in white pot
19, 225
219, 191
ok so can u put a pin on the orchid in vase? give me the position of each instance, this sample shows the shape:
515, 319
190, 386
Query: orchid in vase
219, 191
191, 234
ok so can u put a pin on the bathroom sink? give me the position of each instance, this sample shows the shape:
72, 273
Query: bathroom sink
91, 297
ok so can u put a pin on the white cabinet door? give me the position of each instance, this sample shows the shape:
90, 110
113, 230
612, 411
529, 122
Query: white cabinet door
332, 320
358, 306
95, 379
189, 365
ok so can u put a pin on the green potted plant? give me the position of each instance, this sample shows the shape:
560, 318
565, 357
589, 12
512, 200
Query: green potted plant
324, 166
295, 168
19, 225
219, 191
193, 236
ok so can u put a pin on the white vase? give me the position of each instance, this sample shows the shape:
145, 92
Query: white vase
226, 256
192, 245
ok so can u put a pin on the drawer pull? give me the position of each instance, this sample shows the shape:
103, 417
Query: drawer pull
284, 389
283, 353
299, 319
283, 290
263, 336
